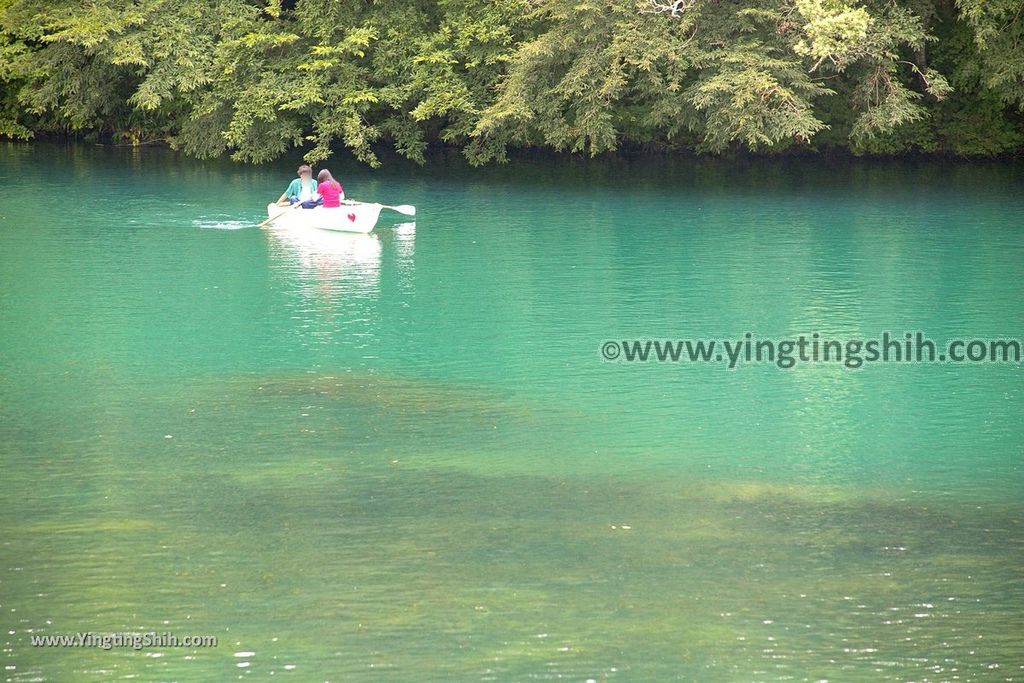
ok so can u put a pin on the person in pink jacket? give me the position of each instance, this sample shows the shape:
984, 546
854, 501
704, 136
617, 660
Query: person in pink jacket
329, 189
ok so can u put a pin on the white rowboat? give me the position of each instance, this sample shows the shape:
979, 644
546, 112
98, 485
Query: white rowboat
352, 217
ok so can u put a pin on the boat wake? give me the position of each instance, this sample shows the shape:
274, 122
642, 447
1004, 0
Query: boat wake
222, 222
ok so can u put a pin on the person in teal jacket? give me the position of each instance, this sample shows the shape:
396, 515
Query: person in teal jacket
302, 189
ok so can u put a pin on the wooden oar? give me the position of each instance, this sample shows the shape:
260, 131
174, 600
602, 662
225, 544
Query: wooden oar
404, 209
278, 215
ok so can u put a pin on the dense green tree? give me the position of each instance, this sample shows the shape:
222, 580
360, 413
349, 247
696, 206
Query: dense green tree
255, 78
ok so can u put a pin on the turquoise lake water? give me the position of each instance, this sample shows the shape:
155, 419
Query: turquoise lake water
401, 457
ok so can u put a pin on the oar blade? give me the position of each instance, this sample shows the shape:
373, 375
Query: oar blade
405, 209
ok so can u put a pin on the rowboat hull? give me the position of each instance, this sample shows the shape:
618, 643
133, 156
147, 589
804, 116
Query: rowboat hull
355, 217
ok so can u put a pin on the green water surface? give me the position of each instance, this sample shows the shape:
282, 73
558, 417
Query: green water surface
401, 457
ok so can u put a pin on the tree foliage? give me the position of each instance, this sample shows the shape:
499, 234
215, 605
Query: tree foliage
255, 78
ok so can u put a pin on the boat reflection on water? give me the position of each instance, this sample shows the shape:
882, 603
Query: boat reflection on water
336, 284
332, 261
